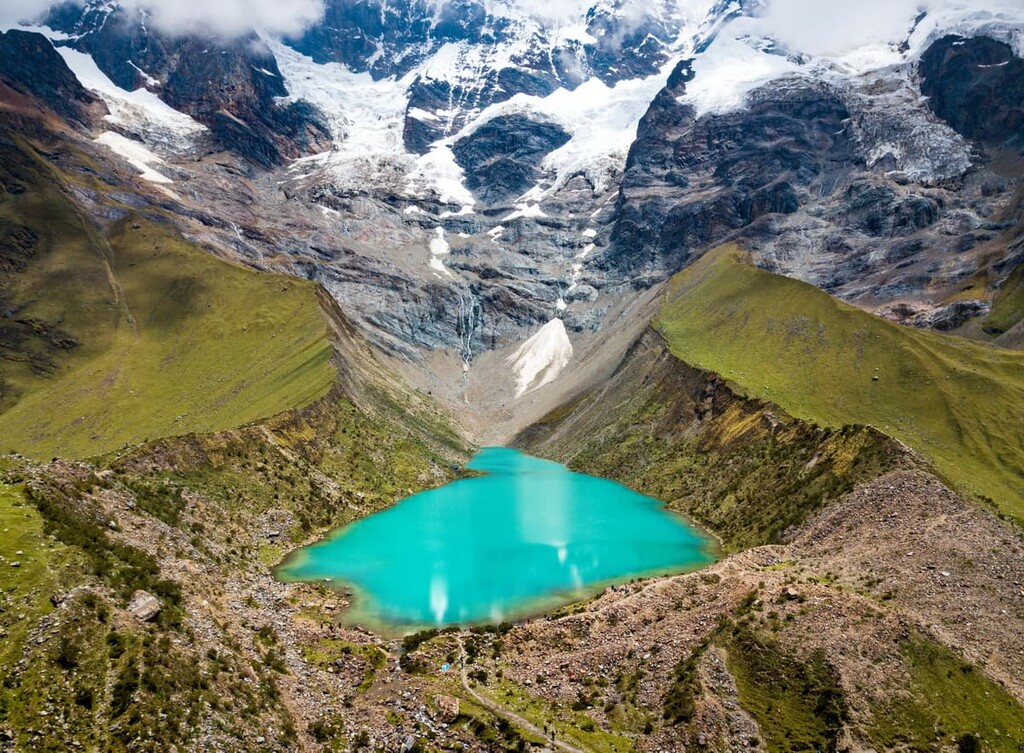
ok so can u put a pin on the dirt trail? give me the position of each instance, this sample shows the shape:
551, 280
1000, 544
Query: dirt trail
500, 710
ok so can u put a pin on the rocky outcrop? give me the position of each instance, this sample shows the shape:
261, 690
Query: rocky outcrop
690, 182
231, 86
483, 309
502, 157
144, 606
977, 86
29, 64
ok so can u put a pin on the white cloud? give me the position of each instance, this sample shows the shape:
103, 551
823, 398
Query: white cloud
228, 18
12, 12
231, 17
836, 28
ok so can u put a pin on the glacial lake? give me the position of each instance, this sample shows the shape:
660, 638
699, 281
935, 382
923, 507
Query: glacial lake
527, 536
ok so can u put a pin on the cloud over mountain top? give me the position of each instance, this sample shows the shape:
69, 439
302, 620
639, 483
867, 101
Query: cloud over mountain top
231, 17
227, 18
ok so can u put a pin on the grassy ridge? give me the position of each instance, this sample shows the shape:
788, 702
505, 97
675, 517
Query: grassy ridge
740, 467
154, 336
958, 403
1008, 306
947, 698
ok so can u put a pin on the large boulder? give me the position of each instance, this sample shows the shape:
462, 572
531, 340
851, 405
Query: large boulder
144, 606
447, 708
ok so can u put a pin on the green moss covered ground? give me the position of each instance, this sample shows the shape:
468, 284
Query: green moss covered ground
948, 702
132, 333
1008, 306
958, 403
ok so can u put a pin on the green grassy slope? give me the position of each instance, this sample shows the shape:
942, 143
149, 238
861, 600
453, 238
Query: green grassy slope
1008, 306
24, 589
740, 467
55, 286
958, 403
947, 698
137, 334
800, 705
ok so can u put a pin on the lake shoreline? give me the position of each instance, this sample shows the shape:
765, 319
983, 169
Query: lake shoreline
523, 538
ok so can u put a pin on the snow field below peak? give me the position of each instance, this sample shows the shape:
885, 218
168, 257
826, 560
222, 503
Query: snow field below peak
137, 155
140, 112
540, 359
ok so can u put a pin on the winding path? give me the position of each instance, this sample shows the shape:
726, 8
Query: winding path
496, 708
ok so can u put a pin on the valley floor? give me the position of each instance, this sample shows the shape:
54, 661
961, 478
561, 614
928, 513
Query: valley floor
890, 619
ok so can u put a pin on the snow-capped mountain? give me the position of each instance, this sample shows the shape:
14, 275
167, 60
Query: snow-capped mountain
392, 80
467, 176
395, 85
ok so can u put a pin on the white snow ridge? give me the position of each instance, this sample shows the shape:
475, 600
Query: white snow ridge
140, 113
541, 359
136, 154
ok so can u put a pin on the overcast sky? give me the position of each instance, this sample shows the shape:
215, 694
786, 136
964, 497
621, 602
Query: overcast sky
232, 17
223, 17
825, 27
819, 27
13, 11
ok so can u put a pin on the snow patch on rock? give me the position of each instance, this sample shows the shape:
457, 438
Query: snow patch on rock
137, 155
540, 360
525, 209
728, 71
436, 173
439, 247
141, 112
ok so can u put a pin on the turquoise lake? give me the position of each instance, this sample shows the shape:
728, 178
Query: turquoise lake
527, 536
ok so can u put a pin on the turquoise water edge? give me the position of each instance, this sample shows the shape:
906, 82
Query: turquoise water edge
528, 535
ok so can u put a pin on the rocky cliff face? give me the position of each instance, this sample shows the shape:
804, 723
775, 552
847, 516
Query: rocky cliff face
690, 182
826, 181
502, 158
977, 86
230, 86
29, 64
